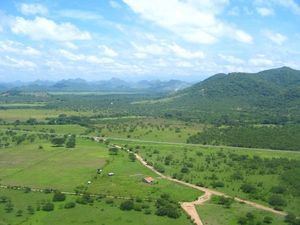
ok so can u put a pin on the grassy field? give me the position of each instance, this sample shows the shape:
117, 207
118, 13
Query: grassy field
215, 167
51, 167
58, 129
128, 181
11, 115
213, 214
97, 213
148, 129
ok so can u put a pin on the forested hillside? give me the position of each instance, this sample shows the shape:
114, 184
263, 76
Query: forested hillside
271, 96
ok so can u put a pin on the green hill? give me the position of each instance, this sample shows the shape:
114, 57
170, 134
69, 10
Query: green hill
271, 96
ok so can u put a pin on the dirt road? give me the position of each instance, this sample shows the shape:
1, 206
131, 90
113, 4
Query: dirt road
190, 207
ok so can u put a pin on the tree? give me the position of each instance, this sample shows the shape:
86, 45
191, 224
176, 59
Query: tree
71, 142
132, 157
127, 205
48, 206
9, 207
58, 141
113, 150
58, 197
30, 209
248, 188
277, 200
70, 205
19, 213
268, 219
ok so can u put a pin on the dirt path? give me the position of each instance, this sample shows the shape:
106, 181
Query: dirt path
190, 207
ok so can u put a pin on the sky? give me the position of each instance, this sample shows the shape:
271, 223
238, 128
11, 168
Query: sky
142, 39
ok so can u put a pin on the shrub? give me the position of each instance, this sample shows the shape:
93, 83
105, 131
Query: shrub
48, 207
58, 197
218, 184
248, 188
127, 205
277, 200
268, 219
70, 205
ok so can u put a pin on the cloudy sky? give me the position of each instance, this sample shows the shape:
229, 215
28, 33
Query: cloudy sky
138, 39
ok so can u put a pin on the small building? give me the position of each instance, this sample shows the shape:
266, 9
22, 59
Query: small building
110, 174
89, 182
148, 180
99, 171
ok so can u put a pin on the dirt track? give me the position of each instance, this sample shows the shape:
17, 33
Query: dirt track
189, 207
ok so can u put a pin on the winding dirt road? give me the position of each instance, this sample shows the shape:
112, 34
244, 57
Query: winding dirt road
190, 207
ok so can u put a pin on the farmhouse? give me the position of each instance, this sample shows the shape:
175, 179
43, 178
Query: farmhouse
148, 180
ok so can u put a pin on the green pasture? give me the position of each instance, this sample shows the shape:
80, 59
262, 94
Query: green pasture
51, 167
97, 213
213, 214
39, 114
148, 129
202, 172
128, 182
57, 129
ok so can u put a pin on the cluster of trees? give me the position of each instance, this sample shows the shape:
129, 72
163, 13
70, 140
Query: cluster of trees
232, 170
165, 206
10, 137
272, 137
68, 140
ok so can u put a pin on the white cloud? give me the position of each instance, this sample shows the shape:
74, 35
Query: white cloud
263, 11
242, 36
18, 48
85, 58
114, 4
80, 14
18, 63
45, 29
184, 53
33, 9
232, 59
261, 61
193, 20
292, 5
108, 51
71, 45
150, 49
277, 38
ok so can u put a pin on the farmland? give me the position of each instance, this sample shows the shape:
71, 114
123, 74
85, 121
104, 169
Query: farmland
49, 148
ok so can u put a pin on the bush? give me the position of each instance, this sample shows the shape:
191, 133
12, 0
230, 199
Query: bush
19, 213
9, 207
127, 205
277, 200
85, 199
58, 197
268, 219
70, 205
48, 207
248, 188
217, 184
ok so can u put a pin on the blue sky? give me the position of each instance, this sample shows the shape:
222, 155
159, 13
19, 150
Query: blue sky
142, 39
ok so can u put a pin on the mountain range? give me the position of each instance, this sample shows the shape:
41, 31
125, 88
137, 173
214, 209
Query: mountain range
112, 85
270, 94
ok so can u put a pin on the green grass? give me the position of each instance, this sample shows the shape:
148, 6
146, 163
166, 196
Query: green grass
202, 171
98, 213
148, 129
55, 167
39, 114
58, 129
214, 214
127, 182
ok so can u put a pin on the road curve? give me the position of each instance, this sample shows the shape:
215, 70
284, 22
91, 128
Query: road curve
189, 207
